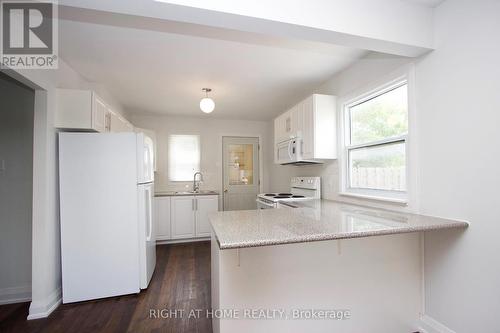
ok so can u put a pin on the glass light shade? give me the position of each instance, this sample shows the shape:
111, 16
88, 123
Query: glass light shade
207, 105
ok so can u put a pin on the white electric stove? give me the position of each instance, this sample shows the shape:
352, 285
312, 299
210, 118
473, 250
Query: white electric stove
301, 188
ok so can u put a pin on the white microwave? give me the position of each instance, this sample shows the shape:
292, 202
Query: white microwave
290, 152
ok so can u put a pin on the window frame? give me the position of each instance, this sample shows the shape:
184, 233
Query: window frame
361, 96
170, 180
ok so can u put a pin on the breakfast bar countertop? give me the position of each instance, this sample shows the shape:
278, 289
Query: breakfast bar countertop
316, 220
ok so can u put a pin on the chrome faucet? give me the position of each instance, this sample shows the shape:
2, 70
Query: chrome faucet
196, 184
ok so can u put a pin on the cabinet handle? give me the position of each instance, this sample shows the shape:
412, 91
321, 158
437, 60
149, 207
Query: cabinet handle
192, 204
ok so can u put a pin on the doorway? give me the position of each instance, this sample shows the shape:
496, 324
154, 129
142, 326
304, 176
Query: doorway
17, 103
240, 172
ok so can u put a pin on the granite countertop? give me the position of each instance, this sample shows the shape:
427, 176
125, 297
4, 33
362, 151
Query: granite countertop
316, 220
184, 193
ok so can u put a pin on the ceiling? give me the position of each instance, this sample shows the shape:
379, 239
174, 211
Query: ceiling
157, 72
426, 3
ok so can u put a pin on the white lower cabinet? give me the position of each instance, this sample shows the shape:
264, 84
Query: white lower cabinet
204, 206
162, 218
181, 217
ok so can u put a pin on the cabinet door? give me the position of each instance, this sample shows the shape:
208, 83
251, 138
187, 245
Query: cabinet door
288, 124
114, 125
297, 120
182, 216
99, 114
162, 218
280, 128
118, 124
308, 128
204, 206
130, 128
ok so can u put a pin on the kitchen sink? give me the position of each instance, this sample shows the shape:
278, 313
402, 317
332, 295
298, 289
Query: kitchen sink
195, 192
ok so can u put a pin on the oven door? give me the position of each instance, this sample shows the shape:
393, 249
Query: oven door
264, 205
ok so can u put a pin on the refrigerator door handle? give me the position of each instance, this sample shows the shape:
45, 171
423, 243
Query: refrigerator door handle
149, 215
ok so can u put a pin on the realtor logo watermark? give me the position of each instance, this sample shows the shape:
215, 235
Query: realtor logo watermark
29, 38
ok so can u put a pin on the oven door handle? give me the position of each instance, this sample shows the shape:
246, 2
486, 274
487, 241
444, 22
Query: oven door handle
265, 203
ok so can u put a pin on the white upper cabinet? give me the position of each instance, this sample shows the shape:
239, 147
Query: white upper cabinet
119, 124
283, 126
85, 110
99, 114
314, 120
307, 128
81, 110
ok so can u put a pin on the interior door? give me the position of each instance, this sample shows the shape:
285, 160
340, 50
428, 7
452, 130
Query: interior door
240, 172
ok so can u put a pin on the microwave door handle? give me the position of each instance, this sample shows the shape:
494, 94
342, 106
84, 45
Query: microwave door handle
290, 149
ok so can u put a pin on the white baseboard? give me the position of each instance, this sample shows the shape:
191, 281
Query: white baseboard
178, 241
431, 325
44, 309
15, 294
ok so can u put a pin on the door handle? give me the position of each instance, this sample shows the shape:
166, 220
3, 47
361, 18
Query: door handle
225, 190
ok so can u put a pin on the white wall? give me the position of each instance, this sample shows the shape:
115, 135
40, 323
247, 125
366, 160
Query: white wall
211, 131
16, 182
364, 73
457, 121
46, 260
459, 113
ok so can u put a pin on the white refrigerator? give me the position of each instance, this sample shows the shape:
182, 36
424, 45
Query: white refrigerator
106, 198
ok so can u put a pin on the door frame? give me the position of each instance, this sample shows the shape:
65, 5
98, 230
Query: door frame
221, 159
46, 288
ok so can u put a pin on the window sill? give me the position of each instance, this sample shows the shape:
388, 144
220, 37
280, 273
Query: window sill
401, 202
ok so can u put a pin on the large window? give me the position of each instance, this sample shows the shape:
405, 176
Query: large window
183, 157
376, 143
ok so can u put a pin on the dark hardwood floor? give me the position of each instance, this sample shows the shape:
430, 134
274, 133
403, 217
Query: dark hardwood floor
181, 281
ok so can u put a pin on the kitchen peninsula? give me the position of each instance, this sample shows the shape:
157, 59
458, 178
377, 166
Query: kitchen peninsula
328, 259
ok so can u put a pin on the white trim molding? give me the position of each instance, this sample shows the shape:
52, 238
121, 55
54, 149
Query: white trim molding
409, 200
431, 325
15, 294
43, 310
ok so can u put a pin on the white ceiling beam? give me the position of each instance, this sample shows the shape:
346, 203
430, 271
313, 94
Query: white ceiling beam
389, 26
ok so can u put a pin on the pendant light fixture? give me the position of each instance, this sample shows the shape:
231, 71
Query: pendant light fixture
207, 104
